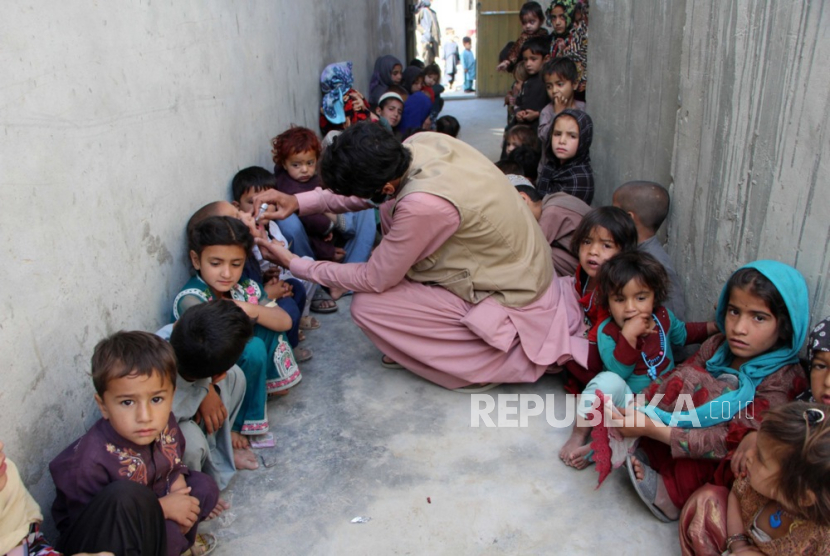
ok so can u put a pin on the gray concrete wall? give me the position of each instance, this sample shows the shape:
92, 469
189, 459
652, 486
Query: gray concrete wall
736, 125
119, 120
633, 61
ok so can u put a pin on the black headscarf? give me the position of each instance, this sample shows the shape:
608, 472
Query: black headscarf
573, 176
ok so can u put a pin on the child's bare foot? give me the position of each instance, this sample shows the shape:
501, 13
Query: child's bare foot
240, 442
220, 507
575, 450
245, 459
661, 501
300, 336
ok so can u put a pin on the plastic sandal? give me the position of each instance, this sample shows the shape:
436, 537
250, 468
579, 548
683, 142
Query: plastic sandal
392, 365
204, 545
317, 303
647, 488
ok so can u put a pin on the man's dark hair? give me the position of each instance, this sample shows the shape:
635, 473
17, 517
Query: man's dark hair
362, 159
210, 337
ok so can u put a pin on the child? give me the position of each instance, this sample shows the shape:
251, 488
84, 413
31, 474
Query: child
731, 382
388, 71
468, 62
137, 439
603, 232
342, 105
560, 77
782, 505
528, 159
208, 341
559, 216
818, 352
533, 97
433, 88
635, 342
519, 78
517, 136
295, 153
532, 18
447, 125
568, 166
569, 20
648, 205
451, 57
218, 247
390, 109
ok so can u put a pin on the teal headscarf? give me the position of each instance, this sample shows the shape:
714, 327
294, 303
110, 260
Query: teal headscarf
793, 289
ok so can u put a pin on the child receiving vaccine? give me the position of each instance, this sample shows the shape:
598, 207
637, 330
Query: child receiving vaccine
635, 343
568, 166
781, 505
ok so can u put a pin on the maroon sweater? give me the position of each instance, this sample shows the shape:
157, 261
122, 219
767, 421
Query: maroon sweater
317, 226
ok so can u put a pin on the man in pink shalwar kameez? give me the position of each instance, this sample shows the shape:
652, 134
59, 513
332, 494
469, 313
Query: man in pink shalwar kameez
461, 290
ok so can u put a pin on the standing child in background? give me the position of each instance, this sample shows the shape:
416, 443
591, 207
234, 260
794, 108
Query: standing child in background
635, 343
208, 341
569, 20
137, 439
568, 167
781, 506
532, 18
603, 232
468, 62
451, 57
218, 247
818, 352
648, 205
560, 77
433, 88
559, 216
388, 71
533, 97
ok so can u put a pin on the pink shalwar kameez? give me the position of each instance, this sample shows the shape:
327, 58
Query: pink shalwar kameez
429, 330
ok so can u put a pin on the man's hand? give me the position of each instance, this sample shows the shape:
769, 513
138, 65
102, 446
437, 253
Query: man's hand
275, 252
286, 204
212, 412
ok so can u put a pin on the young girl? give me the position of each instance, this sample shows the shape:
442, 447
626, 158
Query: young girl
731, 382
532, 18
569, 21
417, 106
781, 506
388, 71
342, 105
635, 342
218, 247
519, 136
568, 165
560, 77
818, 352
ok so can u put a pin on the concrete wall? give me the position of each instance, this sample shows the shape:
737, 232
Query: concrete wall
119, 120
749, 162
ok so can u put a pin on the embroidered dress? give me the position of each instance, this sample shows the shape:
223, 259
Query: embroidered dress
102, 456
268, 361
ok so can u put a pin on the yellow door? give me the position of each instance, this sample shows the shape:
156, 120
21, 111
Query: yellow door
498, 24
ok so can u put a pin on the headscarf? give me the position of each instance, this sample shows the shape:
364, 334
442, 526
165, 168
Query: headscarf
335, 82
819, 338
568, 6
410, 75
382, 77
415, 112
573, 176
18, 510
793, 289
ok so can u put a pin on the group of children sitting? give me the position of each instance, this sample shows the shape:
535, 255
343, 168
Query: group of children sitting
182, 409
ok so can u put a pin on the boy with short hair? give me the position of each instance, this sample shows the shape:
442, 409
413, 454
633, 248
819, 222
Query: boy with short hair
561, 77
208, 339
559, 216
468, 62
137, 439
648, 204
533, 98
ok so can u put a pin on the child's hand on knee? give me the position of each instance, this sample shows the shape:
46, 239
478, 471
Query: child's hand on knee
181, 508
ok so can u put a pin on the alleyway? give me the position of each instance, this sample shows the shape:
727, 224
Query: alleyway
355, 439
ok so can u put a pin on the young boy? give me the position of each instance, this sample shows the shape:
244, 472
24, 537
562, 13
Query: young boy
648, 204
451, 57
558, 215
137, 439
208, 340
533, 97
561, 78
468, 62
390, 109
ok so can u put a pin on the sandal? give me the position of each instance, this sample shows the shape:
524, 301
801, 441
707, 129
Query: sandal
323, 303
309, 323
390, 364
647, 488
302, 354
204, 545
476, 388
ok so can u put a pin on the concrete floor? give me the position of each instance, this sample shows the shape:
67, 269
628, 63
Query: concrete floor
355, 439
